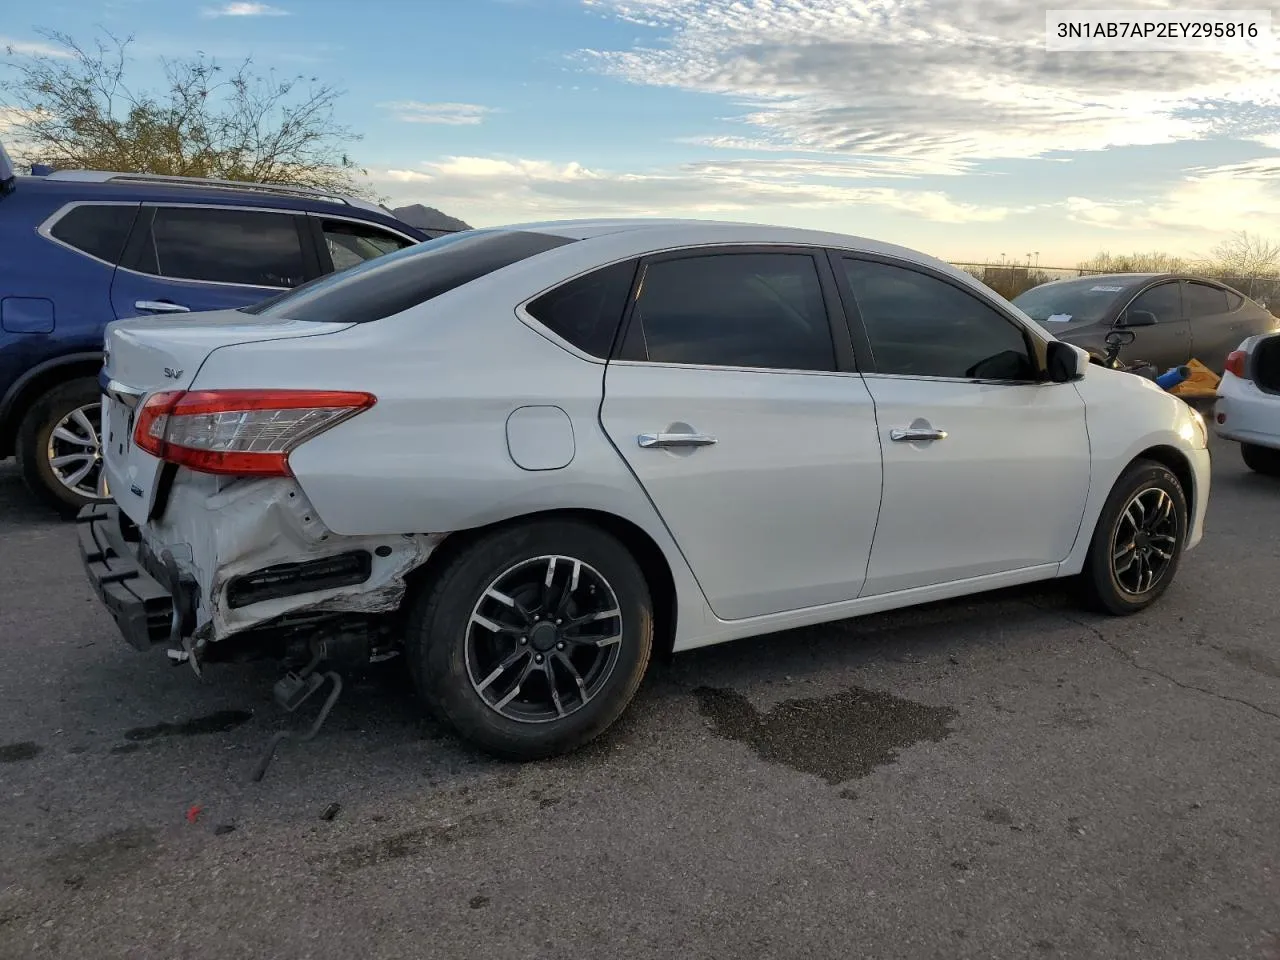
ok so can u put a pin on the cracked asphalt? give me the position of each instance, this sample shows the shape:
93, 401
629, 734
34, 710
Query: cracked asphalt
1001, 777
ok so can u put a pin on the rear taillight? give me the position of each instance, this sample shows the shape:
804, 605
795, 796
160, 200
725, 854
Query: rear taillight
240, 432
1235, 363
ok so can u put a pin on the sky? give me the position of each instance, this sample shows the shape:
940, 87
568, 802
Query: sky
945, 126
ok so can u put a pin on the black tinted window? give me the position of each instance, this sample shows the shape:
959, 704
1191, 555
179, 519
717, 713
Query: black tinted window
920, 326
1204, 300
1163, 301
100, 230
586, 311
397, 281
733, 310
225, 246
352, 243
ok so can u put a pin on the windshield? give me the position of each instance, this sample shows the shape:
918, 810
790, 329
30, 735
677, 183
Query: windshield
394, 282
1071, 302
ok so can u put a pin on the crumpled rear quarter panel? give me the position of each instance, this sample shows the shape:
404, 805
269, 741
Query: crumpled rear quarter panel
218, 531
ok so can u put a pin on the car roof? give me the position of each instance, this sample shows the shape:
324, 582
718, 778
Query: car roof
1125, 279
72, 185
660, 233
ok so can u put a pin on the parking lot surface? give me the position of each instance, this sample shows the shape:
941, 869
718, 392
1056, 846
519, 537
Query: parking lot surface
1000, 777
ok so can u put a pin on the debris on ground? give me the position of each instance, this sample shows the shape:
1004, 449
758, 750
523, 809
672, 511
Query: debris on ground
1203, 383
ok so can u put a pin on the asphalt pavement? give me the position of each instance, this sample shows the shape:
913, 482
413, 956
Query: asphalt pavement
1002, 777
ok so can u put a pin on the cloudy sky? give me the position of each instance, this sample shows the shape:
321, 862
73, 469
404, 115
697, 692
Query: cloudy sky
942, 125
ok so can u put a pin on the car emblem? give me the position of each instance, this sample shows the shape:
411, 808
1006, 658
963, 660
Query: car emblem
172, 374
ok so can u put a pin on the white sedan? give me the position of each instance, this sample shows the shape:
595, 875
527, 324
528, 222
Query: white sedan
1247, 409
527, 459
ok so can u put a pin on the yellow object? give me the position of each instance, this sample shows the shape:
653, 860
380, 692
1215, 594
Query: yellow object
1203, 382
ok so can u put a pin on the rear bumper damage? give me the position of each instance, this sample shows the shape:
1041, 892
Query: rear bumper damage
227, 558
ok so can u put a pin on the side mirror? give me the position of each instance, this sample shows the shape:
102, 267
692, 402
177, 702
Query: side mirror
1063, 362
1137, 318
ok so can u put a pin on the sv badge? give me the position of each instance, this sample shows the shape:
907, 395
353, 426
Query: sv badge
172, 374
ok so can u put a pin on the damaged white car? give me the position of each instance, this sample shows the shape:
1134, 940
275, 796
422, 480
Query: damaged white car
526, 459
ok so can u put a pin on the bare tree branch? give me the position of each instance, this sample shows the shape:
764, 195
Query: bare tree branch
79, 112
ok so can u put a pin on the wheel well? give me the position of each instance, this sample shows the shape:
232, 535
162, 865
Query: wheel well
1180, 466
648, 554
34, 388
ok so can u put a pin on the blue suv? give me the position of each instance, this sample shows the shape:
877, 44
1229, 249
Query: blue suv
79, 249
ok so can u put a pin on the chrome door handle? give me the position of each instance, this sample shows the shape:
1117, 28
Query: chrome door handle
648, 440
160, 306
916, 434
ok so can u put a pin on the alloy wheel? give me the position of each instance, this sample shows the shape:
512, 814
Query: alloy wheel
75, 450
1145, 542
543, 639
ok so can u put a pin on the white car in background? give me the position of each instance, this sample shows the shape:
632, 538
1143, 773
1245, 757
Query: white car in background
528, 459
1247, 408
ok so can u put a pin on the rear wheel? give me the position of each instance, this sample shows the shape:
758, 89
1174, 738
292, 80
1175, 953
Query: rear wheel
59, 445
534, 639
1263, 460
1138, 541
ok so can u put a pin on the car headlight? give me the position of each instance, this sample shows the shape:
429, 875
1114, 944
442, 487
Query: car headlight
1196, 431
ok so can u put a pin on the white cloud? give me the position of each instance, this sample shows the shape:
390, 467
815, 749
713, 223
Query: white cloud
31, 48
449, 114
1208, 201
245, 10
936, 80
513, 189
13, 117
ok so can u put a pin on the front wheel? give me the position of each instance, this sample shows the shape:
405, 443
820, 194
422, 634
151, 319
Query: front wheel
59, 445
1264, 460
1138, 541
534, 639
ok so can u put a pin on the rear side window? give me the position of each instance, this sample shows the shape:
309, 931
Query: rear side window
397, 281
586, 311
99, 230
761, 310
1234, 300
1204, 300
223, 245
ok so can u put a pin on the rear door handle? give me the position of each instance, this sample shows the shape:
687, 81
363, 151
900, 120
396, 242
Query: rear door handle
160, 306
916, 434
650, 440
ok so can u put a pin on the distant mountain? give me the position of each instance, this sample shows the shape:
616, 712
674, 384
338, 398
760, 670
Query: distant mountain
429, 219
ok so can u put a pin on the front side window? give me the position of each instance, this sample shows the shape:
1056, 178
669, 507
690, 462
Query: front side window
225, 245
351, 243
921, 326
761, 310
1162, 301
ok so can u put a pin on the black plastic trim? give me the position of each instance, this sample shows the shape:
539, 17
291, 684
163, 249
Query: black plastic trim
291, 579
140, 605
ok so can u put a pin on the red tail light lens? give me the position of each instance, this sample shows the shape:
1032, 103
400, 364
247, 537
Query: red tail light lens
240, 432
1235, 363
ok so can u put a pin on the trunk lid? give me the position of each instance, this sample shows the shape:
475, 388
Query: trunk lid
147, 355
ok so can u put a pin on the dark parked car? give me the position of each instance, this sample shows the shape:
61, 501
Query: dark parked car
83, 248
1174, 317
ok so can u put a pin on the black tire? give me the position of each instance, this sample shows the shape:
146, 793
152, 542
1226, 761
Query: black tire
444, 648
1262, 460
1110, 592
32, 446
